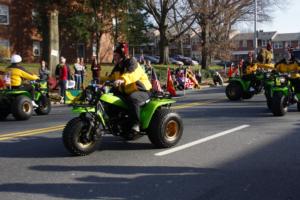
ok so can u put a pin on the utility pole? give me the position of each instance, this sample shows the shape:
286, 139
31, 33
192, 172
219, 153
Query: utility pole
255, 29
54, 41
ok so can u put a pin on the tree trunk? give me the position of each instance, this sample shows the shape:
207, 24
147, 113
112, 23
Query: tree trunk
164, 48
53, 41
181, 46
98, 46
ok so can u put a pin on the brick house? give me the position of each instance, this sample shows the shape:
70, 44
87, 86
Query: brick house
243, 43
282, 41
18, 34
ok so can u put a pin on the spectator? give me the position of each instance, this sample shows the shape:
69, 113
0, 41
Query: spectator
83, 70
199, 76
2, 84
148, 68
78, 73
62, 69
44, 71
95, 68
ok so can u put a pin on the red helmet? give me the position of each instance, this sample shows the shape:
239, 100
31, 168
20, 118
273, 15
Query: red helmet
122, 49
269, 46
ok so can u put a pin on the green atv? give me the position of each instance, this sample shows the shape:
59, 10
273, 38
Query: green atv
239, 87
18, 102
103, 112
283, 95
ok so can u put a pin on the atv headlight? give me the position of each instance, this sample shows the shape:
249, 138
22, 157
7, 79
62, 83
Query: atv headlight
280, 81
88, 95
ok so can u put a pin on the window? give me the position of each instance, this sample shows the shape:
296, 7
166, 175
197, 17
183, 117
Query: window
288, 44
36, 48
4, 14
278, 45
264, 43
245, 43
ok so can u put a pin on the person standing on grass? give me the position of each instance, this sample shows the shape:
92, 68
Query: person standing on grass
63, 77
78, 73
83, 72
95, 68
44, 71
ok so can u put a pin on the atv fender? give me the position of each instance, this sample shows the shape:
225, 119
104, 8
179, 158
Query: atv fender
283, 90
244, 84
149, 109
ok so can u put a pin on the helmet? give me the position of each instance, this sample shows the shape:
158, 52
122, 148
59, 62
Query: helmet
16, 58
122, 49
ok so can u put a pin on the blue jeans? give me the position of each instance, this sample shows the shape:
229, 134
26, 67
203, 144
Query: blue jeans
78, 81
62, 85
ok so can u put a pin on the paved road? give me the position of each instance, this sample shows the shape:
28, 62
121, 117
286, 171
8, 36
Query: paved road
230, 150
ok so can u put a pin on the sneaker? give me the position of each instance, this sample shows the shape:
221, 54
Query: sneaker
34, 104
295, 98
251, 89
136, 127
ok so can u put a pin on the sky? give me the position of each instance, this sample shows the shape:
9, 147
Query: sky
285, 20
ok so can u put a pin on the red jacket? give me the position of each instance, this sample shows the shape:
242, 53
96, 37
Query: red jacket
63, 73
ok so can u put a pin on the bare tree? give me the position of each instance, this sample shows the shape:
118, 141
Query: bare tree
161, 11
216, 18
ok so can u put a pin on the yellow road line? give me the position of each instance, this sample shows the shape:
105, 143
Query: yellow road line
30, 134
31, 131
194, 104
60, 127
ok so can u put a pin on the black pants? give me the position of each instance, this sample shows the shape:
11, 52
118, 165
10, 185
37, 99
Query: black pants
26, 87
135, 101
252, 79
296, 83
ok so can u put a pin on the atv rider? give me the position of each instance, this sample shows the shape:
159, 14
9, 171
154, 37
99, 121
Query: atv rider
291, 65
17, 74
132, 82
249, 71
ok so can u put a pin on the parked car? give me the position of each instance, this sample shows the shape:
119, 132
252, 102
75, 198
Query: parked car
186, 60
176, 62
152, 59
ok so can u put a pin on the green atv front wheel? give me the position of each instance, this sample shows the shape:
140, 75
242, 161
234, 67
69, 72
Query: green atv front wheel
76, 139
247, 95
165, 128
44, 106
279, 104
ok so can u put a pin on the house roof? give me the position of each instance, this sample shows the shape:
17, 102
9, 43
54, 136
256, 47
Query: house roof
286, 37
261, 36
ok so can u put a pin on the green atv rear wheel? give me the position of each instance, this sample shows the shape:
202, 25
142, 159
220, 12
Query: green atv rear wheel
165, 128
234, 91
4, 113
22, 108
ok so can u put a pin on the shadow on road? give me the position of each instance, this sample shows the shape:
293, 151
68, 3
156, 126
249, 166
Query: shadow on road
263, 173
41, 147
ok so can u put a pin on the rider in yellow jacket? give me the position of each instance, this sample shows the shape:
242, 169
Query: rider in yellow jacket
291, 66
132, 82
17, 74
